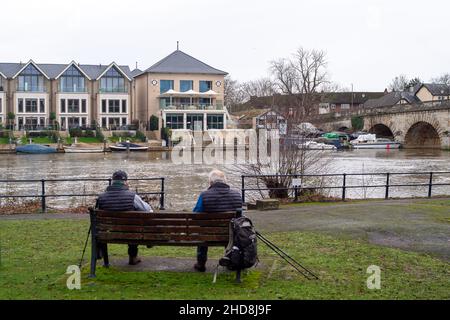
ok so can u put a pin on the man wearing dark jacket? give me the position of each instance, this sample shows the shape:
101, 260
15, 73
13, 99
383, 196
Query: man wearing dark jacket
118, 197
218, 198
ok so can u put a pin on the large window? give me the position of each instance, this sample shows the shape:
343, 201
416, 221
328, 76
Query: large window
73, 106
30, 79
204, 101
72, 80
114, 106
205, 85
186, 85
165, 85
1, 84
215, 121
174, 121
113, 81
31, 105
195, 122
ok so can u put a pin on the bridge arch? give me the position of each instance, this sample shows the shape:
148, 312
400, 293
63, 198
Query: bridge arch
382, 131
422, 134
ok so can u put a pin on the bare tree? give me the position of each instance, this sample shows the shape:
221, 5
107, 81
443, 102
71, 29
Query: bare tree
233, 95
258, 88
302, 76
399, 83
402, 83
277, 176
442, 79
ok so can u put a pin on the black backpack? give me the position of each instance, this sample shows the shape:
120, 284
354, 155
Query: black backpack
241, 252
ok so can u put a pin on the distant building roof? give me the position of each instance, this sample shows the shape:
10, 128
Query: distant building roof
436, 89
52, 70
136, 72
283, 100
391, 99
180, 62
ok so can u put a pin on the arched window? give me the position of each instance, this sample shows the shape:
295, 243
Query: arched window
113, 81
31, 79
72, 80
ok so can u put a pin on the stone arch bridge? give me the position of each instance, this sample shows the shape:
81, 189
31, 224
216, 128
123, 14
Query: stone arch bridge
415, 126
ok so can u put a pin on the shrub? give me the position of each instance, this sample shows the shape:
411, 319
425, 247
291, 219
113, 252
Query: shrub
99, 134
76, 132
357, 123
154, 123
141, 136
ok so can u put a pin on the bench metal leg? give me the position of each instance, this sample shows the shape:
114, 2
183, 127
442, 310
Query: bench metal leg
105, 256
93, 258
238, 276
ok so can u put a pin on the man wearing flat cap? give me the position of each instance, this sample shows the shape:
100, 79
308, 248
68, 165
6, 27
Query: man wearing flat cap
118, 197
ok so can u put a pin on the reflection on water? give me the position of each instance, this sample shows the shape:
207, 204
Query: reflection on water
184, 182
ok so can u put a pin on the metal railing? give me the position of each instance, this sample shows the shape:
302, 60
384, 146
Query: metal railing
194, 106
428, 183
43, 195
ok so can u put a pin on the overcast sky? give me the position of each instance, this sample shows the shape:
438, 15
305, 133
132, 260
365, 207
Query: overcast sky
367, 42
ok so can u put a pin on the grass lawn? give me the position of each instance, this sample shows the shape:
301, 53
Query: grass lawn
37, 140
36, 254
70, 140
4, 140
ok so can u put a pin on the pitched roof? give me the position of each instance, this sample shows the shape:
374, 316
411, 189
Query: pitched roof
136, 72
284, 100
52, 70
180, 62
392, 98
436, 89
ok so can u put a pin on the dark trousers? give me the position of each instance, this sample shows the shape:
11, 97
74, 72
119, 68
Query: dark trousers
202, 254
103, 247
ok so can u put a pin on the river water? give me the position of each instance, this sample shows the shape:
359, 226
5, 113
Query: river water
185, 182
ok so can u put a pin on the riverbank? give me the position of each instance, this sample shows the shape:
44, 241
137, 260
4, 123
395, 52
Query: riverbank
332, 240
421, 225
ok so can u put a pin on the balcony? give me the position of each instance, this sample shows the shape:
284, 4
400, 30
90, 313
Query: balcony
176, 106
72, 89
31, 89
114, 90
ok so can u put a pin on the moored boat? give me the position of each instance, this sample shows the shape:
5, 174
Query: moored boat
370, 141
313, 145
124, 146
35, 149
82, 148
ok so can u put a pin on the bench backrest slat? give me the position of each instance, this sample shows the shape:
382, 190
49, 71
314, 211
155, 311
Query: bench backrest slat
167, 228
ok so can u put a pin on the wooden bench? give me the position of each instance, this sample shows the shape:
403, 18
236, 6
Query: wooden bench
159, 229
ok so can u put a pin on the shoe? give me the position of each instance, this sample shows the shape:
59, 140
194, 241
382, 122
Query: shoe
200, 267
134, 261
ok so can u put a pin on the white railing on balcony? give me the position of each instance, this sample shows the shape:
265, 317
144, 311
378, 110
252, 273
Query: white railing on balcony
192, 107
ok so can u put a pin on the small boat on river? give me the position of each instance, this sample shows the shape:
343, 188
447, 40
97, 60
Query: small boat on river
370, 141
313, 145
82, 148
35, 149
124, 146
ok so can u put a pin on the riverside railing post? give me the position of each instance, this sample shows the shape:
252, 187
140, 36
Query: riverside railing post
430, 184
161, 199
344, 176
295, 191
243, 188
386, 196
43, 205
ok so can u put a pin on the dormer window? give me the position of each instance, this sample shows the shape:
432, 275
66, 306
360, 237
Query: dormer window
31, 80
113, 81
72, 81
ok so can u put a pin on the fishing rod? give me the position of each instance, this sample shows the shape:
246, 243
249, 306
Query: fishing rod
308, 274
84, 249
